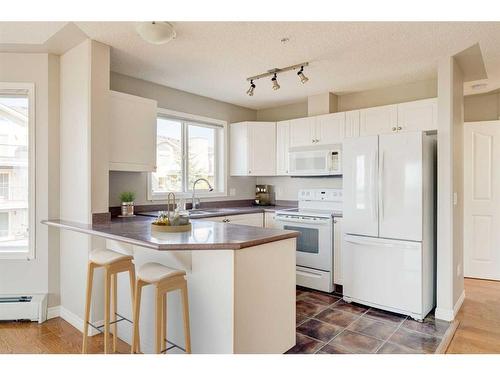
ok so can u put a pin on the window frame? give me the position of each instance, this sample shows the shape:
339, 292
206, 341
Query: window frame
29, 90
220, 161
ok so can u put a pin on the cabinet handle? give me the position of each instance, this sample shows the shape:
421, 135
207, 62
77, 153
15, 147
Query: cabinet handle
399, 128
394, 128
249, 172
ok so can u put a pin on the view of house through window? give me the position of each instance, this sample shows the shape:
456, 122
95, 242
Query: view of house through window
14, 176
186, 151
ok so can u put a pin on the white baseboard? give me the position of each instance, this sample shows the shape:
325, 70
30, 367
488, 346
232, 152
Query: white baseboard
448, 314
76, 321
53, 312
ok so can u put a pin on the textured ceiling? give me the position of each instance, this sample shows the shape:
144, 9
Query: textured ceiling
214, 58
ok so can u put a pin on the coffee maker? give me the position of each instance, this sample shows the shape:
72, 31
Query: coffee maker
264, 195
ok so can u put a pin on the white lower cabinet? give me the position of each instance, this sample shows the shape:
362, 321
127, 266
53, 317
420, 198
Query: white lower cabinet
254, 220
338, 233
270, 220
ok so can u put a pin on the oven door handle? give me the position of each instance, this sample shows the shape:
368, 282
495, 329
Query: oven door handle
299, 221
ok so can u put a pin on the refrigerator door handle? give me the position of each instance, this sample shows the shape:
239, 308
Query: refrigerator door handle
367, 241
381, 184
374, 192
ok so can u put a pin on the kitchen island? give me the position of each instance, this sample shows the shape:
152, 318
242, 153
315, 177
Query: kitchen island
241, 282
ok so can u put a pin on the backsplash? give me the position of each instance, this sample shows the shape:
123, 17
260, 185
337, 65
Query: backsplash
287, 188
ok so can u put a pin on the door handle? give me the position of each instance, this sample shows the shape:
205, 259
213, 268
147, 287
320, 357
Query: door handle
381, 184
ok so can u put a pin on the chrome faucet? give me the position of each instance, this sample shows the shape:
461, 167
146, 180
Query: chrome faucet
195, 205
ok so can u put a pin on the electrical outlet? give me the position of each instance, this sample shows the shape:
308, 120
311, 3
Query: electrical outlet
232, 192
455, 199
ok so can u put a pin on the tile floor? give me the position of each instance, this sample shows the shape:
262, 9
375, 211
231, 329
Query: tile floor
328, 325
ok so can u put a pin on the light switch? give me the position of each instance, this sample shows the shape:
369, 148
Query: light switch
455, 198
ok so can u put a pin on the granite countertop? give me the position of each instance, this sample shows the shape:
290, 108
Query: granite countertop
205, 235
224, 211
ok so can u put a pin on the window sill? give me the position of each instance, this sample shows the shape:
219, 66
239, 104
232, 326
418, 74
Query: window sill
163, 197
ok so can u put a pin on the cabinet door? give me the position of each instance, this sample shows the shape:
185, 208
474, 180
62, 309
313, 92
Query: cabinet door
254, 220
262, 148
302, 131
351, 128
132, 133
378, 120
330, 128
239, 151
418, 115
337, 250
270, 220
282, 145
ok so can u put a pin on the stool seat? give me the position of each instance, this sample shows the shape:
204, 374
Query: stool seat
155, 272
104, 257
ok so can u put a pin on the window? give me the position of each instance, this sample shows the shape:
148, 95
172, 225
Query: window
187, 148
16, 170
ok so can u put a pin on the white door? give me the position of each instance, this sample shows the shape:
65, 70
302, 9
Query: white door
482, 200
282, 146
378, 120
418, 115
330, 128
360, 185
351, 128
302, 132
400, 186
383, 273
262, 148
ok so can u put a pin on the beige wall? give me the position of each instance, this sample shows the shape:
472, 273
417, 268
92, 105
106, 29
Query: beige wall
21, 276
181, 101
484, 107
284, 112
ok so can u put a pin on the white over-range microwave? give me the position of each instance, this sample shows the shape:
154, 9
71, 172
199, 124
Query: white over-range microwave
315, 162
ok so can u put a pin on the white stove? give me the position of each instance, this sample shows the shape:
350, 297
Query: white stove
314, 219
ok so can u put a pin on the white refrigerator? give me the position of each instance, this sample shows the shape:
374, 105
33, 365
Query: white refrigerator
389, 219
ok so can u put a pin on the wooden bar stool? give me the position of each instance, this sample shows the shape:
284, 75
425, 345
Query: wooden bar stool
165, 279
113, 263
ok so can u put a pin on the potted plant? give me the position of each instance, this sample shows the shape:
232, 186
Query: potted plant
127, 199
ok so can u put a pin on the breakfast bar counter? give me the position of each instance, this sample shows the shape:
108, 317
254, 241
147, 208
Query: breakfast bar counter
241, 282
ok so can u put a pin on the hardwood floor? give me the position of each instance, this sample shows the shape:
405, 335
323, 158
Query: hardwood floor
479, 328
55, 336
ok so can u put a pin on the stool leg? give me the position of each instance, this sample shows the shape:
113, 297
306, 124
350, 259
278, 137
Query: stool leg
131, 274
114, 289
137, 308
185, 309
164, 322
90, 279
158, 316
107, 289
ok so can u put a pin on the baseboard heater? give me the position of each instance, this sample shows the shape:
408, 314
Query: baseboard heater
28, 307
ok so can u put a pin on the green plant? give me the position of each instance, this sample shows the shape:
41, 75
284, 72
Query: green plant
127, 196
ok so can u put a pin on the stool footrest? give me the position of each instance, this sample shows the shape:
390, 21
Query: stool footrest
172, 346
100, 328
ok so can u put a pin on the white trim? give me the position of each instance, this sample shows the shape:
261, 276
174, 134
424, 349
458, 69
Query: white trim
449, 315
221, 168
76, 321
30, 88
53, 312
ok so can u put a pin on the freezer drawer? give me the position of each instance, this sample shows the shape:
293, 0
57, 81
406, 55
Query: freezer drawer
383, 273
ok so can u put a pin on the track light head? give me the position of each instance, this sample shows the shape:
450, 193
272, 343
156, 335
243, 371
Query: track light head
251, 88
274, 80
302, 76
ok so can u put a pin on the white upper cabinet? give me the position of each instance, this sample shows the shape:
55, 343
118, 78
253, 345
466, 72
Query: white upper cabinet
253, 148
351, 128
417, 115
329, 128
302, 131
132, 133
282, 146
378, 120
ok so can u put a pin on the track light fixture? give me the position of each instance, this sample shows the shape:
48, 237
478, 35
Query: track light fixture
302, 76
274, 73
274, 80
251, 89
